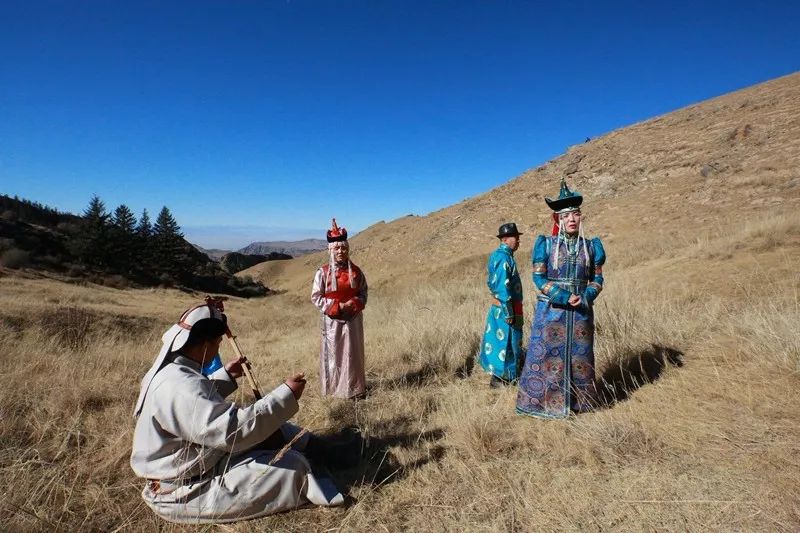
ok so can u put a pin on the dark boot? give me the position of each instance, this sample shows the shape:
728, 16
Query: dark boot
499, 383
334, 454
276, 441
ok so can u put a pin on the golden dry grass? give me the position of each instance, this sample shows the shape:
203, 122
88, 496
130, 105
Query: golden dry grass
700, 431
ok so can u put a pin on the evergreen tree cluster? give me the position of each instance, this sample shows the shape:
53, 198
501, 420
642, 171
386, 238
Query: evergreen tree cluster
15, 208
116, 242
114, 246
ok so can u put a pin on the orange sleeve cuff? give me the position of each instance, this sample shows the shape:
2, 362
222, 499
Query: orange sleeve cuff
334, 309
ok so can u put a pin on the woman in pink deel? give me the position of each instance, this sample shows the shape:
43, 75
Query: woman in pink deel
340, 293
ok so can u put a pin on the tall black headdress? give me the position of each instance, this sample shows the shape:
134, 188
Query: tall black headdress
567, 200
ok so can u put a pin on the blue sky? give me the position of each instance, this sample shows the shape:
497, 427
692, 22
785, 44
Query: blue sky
259, 120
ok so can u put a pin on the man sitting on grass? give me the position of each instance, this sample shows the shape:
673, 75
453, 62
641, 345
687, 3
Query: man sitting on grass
205, 459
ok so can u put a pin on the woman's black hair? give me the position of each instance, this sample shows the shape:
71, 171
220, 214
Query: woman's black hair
207, 329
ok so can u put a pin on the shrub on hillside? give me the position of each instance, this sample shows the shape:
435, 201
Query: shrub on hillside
245, 286
252, 291
69, 228
115, 281
76, 270
15, 258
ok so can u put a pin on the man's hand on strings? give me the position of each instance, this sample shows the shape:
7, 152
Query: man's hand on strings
297, 383
234, 367
574, 300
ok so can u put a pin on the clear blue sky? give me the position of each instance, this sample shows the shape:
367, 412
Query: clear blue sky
250, 117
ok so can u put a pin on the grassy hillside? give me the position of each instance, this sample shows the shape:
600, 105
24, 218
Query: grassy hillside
697, 350
687, 175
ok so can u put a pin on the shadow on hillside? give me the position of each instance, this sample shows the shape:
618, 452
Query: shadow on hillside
635, 370
380, 464
465, 370
426, 374
437, 371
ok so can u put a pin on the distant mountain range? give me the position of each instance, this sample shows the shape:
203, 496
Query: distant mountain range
271, 249
212, 253
293, 248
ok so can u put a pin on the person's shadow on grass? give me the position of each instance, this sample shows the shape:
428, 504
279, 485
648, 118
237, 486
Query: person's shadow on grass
380, 463
636, 369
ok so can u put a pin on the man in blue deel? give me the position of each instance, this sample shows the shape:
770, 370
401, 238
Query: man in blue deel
502, 337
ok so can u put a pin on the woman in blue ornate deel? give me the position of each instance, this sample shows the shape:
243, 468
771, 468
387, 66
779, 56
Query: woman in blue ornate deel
558, 374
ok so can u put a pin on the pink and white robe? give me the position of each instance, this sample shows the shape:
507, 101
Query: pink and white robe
342, 330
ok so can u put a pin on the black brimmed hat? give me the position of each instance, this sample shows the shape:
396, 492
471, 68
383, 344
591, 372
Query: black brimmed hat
508, 229
567, 200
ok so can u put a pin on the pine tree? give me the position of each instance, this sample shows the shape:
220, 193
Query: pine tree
144, 257
145, 228
123, 240
166, 226
96, 211
169, 246
125, 220
92, 245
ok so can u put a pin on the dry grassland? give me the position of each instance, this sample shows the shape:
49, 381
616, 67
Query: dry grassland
697, 348
700, 428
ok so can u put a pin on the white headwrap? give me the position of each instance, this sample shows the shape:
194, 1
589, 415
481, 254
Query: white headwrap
173, 340
332, 267
581, 239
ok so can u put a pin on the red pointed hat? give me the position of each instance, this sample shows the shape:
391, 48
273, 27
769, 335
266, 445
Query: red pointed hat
336, 234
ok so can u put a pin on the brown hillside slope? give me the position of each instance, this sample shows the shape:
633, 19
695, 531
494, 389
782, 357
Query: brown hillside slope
692, 172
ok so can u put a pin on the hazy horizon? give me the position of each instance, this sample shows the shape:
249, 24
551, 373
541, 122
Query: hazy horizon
232, 238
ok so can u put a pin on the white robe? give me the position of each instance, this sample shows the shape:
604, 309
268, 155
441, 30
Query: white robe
201, 454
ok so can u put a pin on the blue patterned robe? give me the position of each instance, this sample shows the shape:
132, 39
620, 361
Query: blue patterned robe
501, 346
558, 374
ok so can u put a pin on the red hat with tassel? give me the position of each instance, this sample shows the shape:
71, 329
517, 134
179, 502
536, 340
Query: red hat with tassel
336, 234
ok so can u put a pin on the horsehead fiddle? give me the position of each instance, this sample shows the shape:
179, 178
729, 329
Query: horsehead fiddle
217, 303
